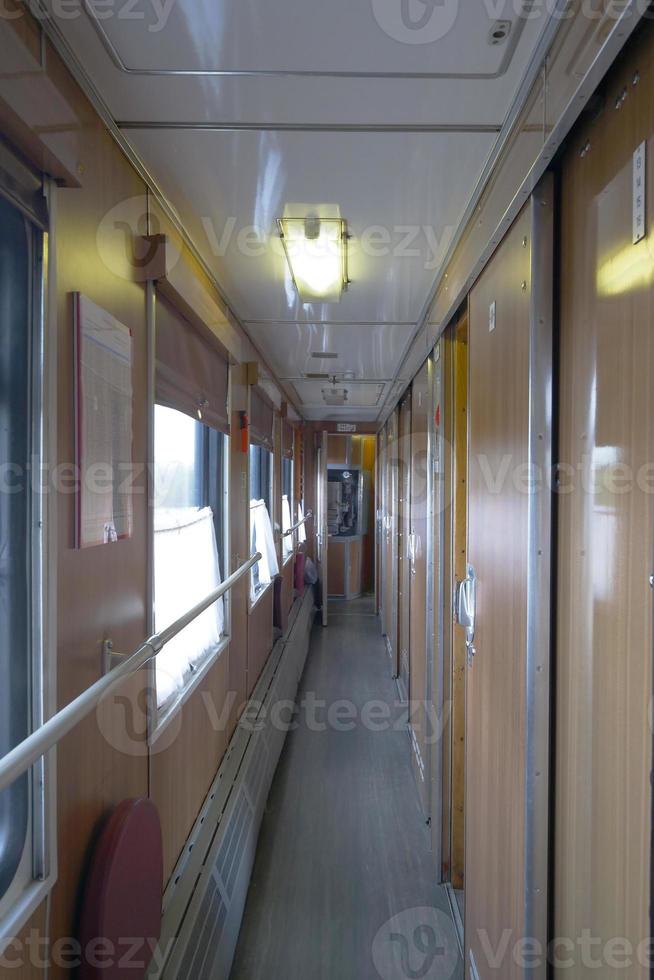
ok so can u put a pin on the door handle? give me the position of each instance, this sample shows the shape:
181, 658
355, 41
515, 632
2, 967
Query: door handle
414, 550
466, 609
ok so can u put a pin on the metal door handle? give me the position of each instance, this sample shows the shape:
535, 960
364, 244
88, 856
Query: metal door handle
466, 609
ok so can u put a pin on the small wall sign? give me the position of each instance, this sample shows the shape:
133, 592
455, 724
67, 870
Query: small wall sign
640, 192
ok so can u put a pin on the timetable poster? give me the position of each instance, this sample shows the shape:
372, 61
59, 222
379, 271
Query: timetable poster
103, 420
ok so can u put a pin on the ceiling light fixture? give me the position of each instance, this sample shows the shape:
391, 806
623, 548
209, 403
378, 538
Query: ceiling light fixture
334, 395
316, 251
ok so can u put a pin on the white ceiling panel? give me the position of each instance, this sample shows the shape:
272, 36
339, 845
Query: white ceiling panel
125, 54
312, 36
402, 197
371, 351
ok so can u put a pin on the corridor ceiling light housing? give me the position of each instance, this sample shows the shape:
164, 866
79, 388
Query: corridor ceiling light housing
316, 251
334, 396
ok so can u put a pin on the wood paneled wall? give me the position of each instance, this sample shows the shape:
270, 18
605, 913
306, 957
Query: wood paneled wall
103, 591
606, 538
260, 636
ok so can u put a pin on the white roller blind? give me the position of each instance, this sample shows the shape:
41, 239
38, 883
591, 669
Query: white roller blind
187, 569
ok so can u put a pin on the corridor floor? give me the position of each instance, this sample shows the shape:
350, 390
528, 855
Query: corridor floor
343, 886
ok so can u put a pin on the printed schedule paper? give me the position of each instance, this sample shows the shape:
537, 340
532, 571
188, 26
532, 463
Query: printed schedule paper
103, 419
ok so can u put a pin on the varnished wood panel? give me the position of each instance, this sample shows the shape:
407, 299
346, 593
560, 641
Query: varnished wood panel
101, 590
459, 557
288, 585
497, 547
418, 504
354, 558
606, 535
447, 346
185, 760
368, 559
390, 538
337, 447
260, 636
239, 535
336, 558
404, 512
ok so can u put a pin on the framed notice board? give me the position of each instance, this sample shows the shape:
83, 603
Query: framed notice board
103, 425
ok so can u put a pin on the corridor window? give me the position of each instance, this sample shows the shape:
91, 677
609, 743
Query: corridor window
189, 545
288, 542
26, 834
261, 530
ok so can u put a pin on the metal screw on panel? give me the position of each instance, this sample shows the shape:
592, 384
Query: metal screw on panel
620, 99
524, 285
636, 78
584, 150
524, 242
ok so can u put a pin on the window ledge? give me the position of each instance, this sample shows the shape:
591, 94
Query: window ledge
259, 596
166, 715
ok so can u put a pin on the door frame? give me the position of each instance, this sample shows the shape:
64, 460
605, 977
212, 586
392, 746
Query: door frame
539, 598
434, 620
322, 544
540, 595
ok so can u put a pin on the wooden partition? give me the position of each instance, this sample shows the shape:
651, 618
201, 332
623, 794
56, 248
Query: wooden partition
419, 549
455, 550
101, 591
459, 551
260, 636
239, 544
606, 537
390, 539
404, 530
509, 513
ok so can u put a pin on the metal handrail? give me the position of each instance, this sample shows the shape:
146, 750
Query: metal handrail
27, 752
293, 529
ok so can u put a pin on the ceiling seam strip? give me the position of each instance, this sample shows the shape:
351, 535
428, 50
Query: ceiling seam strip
331, 323
72, 63
613, 43
118, 62
457, 129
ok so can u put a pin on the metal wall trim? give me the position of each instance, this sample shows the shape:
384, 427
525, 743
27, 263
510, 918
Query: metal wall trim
434, 619
539, 572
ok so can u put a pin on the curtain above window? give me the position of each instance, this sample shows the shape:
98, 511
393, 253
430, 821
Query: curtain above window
192, 370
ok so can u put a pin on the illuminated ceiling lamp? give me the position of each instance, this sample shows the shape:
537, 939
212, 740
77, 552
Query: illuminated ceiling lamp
334, 395
316, 251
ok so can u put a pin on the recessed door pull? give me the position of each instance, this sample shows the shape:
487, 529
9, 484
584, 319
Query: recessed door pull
466, 601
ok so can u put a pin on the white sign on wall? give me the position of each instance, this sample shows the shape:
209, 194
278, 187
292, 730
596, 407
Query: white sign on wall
640, 192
